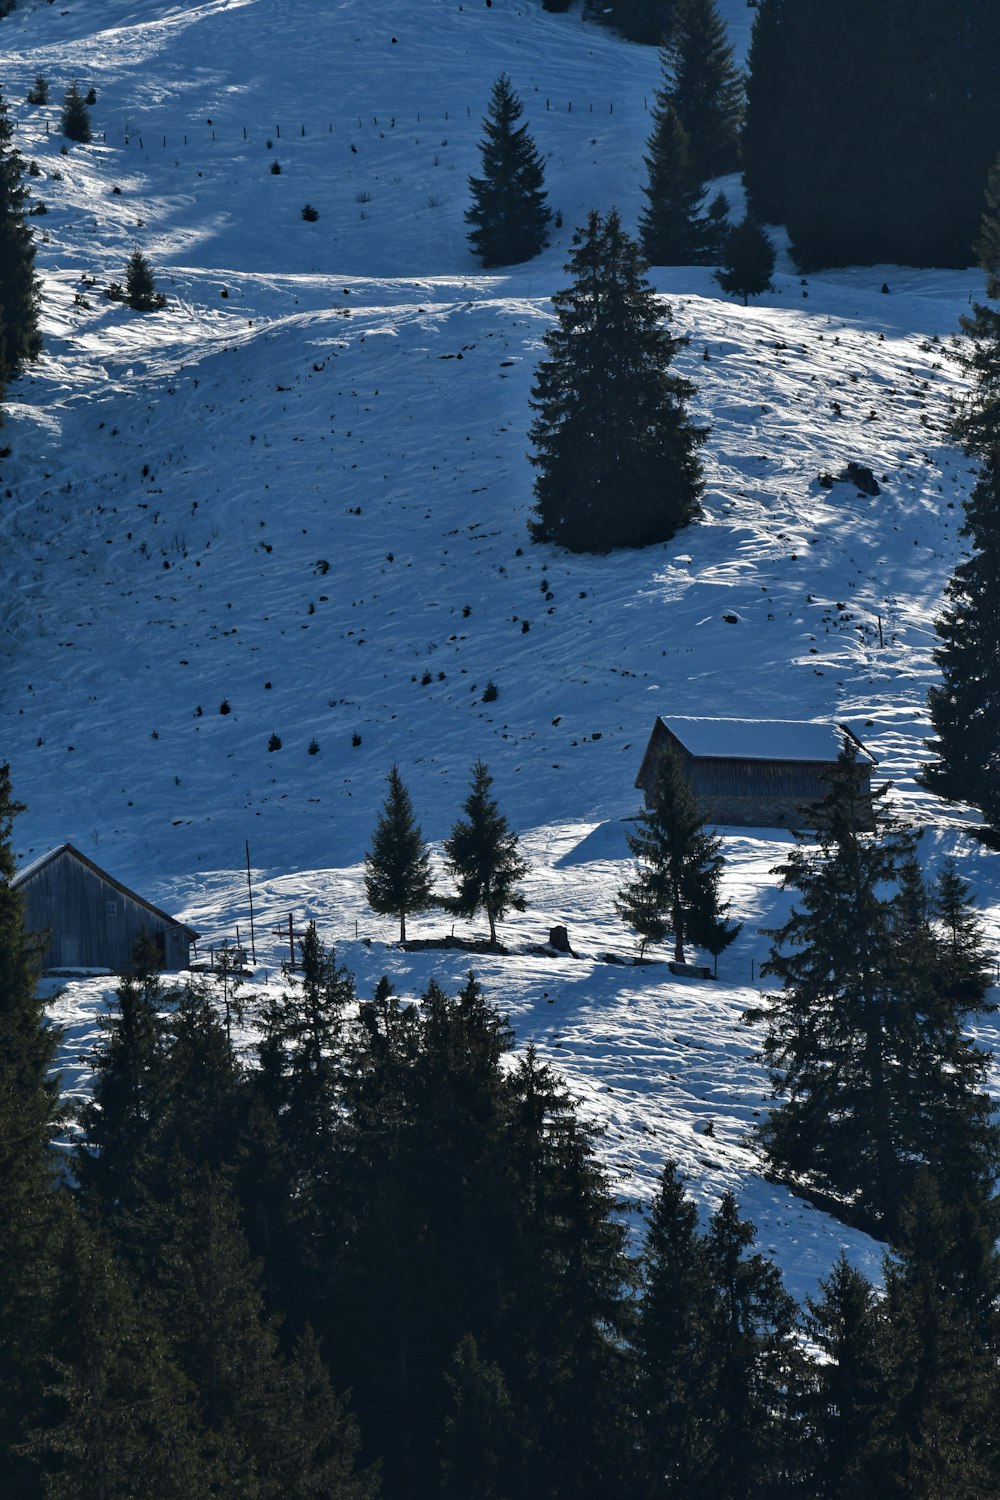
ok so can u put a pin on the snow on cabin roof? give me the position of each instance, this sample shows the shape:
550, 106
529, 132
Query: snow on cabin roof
762, 739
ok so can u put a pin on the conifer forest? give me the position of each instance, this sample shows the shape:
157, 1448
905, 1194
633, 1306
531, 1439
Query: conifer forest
499, 556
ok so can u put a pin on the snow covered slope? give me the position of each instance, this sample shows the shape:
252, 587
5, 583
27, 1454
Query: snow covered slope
300, 491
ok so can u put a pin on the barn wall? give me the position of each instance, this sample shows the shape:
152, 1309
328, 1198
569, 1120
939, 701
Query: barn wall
92, 924
755, 793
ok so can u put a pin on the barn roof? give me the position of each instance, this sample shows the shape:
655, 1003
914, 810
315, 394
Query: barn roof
40, 863
762, 739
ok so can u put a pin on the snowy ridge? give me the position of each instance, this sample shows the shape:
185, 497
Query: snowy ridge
301, 489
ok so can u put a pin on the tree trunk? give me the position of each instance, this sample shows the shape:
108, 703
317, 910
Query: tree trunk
402, 927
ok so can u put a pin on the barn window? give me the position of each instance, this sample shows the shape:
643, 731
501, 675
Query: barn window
111, 908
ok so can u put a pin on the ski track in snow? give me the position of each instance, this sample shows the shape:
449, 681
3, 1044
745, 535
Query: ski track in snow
301, 490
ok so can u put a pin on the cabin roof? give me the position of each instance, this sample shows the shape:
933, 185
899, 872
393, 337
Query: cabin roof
762, 739
39, 864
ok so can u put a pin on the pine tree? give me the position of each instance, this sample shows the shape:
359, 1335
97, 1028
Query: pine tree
844, 1406
481, 1448
867, 1038
32, 1202
755, 1369
140, 286
674, 230
747, 261
941, 1342
965, 709
20, 340
978, 422
704, 86
675, 887
127, 1093
397, 869
764, 138
75, 121
120, 1419
508, 213
615, 449
484, 857
676, 1308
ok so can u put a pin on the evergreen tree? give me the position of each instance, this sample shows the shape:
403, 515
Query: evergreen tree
843, 1412
867, 1038
965, 708
747, 261
32, 1202
481, 1449
615, 449
484, 857
675, 887
764, 138
750, 1348
120, 1420
508, 213
140, 286
884, 154
20, 340
674, 230
75, 121
942, 1345
397, 869
273, 1426
674, 1382
39, 91
705, 87
127, 1093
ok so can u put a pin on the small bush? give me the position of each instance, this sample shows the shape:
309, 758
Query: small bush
274, 743
314, 747
490, 692
355, 739
91, 95
39, 91
309, 213
276, 168
38, 208
224, 707
34, 170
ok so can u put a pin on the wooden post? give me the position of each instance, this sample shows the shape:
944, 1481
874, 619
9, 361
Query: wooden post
253, 948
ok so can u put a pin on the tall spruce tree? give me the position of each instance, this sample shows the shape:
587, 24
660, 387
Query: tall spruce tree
20, 340
751, 1350
704, 86
965, 708
843, 1410
75, 119
978, 423
763, 140
674, 229
397, 867
747, 261
615, 449
941, 1341
674, 1385
140, 284
675, 885
884, 155
508, 213
484, 857
866, 1040
32, 1201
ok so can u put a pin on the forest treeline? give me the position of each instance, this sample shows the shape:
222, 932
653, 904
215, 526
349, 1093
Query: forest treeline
361, 1247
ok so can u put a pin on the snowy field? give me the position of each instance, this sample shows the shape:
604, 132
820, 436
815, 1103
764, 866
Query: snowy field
300, 491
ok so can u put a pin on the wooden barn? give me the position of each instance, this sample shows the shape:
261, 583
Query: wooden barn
757, 773
91, 919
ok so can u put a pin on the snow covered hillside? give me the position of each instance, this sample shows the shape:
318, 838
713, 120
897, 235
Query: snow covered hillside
298, 493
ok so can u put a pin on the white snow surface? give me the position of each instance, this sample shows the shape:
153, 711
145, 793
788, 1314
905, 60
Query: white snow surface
757, 739
300, 490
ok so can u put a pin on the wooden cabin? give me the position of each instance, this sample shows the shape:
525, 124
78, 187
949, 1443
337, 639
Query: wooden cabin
91, 919
756, 773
